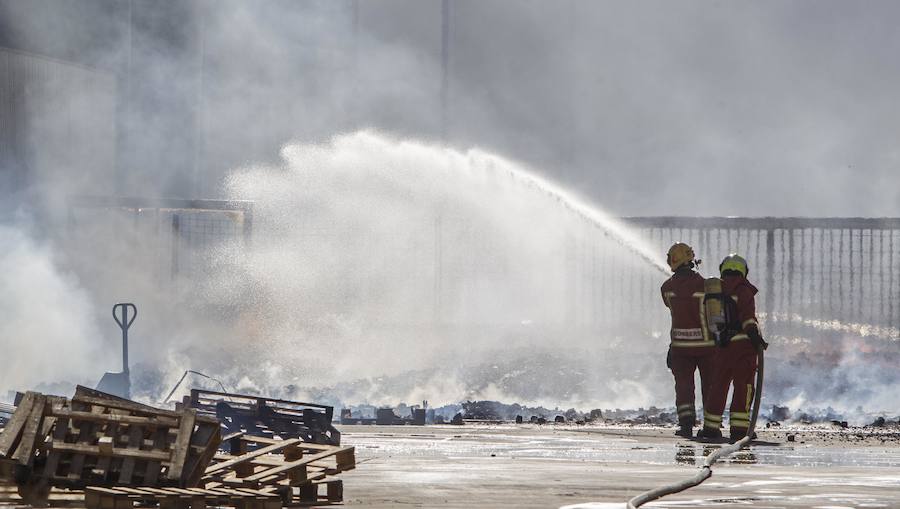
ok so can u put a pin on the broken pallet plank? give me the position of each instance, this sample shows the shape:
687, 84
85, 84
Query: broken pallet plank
11, 434
294, 464
303, 445
24, 454
231, 436
274, 461
250, 455
182, 444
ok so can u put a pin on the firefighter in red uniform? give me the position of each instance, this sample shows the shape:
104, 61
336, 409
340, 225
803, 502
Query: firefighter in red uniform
737, 359
691, 347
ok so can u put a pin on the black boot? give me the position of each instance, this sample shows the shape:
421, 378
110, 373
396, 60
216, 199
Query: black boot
710, 435
685, 431
739, 433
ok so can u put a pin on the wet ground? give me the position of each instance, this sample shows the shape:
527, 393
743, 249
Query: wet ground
601, 467
583, 467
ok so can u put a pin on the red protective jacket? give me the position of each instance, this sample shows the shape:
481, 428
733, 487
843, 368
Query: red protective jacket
683, 295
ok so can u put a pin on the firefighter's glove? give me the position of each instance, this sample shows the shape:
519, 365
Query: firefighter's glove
758, 342
669, 358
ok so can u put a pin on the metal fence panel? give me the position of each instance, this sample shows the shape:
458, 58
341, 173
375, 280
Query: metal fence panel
825, 274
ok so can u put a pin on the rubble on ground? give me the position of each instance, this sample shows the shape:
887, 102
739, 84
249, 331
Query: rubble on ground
386, 416
652, 416
496, 411
780, 413
487, 411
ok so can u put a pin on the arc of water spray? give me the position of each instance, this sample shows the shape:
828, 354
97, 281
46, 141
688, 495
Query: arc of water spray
600, 220
610, 227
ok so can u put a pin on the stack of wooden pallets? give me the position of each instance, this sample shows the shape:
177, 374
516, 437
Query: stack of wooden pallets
301, 473
96, 439
119, 452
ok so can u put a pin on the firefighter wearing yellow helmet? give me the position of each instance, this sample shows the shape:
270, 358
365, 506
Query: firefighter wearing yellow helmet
691, 347
739, 338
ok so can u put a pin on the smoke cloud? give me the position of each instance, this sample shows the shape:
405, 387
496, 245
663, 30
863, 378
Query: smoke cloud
49, 325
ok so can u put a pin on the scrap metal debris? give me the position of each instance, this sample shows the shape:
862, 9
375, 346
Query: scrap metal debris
267, 416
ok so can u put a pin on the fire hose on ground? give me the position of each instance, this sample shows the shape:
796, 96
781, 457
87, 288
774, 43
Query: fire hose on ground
706, 470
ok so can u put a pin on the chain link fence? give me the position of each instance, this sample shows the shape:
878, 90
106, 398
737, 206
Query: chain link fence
176, 238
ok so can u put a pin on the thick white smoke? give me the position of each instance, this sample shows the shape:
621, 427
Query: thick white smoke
49, 330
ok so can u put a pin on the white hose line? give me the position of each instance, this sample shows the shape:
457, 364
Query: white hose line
706, 470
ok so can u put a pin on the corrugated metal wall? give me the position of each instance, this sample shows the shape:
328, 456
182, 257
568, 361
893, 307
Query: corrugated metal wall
57, 124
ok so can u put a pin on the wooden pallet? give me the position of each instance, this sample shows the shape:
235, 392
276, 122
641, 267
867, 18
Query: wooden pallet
19, 446
280, 466
269, 417
97, 497
101, 440
121, 452
25, 429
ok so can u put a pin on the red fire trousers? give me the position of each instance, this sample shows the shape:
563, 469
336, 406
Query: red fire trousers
736, 365
685, 361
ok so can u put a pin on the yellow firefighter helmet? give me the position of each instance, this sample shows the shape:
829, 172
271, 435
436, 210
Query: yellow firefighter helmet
679, 254
734, 262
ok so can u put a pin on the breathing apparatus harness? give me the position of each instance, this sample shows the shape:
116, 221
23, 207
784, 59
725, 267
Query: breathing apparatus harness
721, 312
